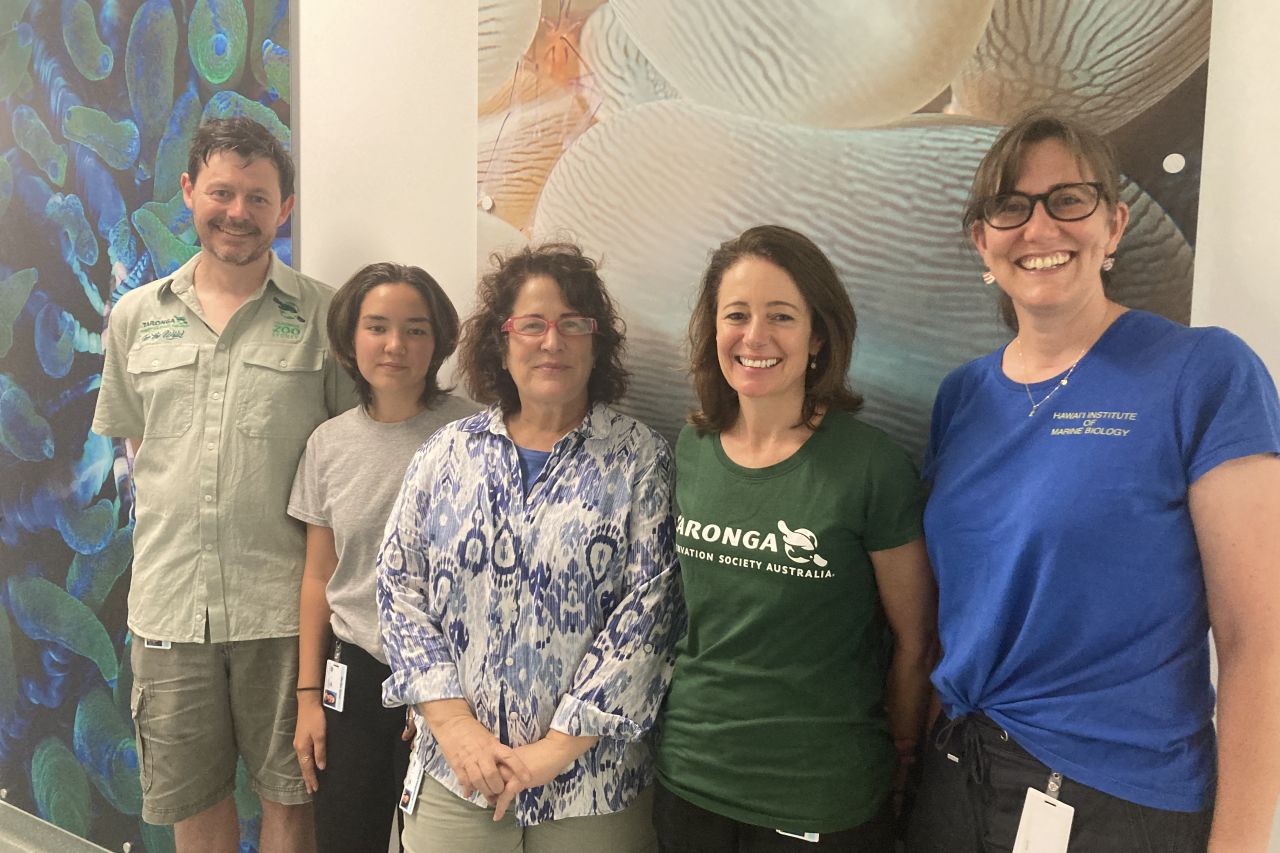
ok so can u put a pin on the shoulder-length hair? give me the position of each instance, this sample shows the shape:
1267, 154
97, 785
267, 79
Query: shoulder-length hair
344, 314
484, 344
831, 315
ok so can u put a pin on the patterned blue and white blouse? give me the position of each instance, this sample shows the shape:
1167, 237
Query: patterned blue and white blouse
559, 610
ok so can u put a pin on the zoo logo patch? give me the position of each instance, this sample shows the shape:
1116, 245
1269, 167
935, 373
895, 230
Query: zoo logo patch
288, 327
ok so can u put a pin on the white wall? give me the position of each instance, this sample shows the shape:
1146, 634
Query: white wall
386, 116
387, 154
1237, 282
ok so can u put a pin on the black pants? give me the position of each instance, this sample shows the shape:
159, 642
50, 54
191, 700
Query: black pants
685, 828
972, 803
365, 763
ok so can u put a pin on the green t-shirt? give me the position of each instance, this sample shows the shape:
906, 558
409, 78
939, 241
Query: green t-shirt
775, 715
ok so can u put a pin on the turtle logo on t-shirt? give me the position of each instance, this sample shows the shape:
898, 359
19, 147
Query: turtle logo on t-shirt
798, 543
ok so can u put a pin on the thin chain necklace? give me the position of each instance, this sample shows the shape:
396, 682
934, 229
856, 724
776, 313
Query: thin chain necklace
1054, 390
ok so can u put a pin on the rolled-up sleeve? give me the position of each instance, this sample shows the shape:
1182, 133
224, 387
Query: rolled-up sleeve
422, 666
623, 678
553, 608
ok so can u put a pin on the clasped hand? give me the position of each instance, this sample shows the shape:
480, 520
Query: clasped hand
477, 758
483, 763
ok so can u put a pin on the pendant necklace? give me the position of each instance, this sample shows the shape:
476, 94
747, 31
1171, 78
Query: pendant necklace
1054, 390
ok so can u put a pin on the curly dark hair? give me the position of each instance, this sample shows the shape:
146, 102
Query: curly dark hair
344, 314
830, 312
484, 344
242, 136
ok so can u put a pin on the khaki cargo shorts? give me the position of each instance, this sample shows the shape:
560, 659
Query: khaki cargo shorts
196, 706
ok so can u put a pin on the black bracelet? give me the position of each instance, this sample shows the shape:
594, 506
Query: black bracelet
306, 689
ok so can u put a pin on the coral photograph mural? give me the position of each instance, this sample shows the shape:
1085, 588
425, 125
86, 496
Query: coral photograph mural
99, 104
652, 130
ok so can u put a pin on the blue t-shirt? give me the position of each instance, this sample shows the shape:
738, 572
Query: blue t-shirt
531, 464
1071, 594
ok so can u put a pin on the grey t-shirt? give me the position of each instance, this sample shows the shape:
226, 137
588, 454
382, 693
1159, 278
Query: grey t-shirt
347, 480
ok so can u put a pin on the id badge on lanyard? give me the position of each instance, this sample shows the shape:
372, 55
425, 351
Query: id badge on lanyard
335, 680
1045, 826
413, 778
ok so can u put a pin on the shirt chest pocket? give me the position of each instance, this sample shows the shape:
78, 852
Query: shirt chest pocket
165, 376
281, 391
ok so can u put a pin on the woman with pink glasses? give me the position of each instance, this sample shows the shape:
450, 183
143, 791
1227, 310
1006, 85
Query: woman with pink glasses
527, 582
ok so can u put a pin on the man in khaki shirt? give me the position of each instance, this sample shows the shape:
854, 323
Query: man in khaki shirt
216, 375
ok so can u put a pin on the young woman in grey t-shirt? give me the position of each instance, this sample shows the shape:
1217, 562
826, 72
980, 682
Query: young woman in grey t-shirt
391, 327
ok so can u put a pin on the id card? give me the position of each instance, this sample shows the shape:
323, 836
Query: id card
1045, 826
412, 783
157, 644
335, 685
803, 836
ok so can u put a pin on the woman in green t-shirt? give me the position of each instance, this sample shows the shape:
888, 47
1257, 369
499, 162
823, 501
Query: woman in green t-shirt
799, 535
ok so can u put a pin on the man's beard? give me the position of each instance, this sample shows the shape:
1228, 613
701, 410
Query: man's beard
245, 256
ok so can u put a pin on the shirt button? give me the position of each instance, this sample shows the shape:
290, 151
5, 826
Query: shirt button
208, 499
209, 547
210, 446
284, 363
511, 661
154, 362
216, 395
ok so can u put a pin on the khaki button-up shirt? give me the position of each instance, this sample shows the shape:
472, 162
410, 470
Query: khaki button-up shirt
224, 419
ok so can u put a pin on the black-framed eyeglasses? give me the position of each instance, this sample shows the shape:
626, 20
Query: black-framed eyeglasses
1065, 203
535, 326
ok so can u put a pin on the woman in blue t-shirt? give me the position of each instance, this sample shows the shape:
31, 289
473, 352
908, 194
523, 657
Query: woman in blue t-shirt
1096, 491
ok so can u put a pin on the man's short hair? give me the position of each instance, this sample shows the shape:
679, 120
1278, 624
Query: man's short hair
245, 137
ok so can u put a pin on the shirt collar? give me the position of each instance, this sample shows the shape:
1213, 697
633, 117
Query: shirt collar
596, 424
283, 276
278, 273
182, 279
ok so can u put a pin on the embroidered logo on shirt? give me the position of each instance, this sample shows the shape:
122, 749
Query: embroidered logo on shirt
289, 327
164, 329
286, 330
288, 310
